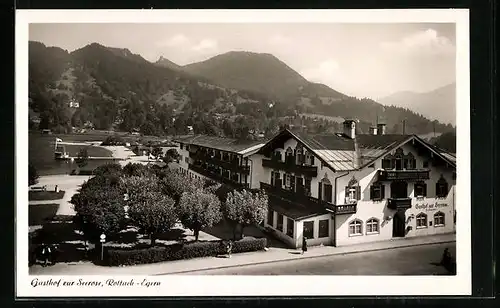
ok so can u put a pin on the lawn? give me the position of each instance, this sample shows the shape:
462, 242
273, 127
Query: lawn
45, 195
39, 214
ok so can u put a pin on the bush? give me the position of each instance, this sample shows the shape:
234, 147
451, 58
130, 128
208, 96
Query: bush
82, 172
113, 140
120, 256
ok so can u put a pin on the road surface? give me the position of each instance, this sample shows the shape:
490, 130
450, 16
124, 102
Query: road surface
400, 261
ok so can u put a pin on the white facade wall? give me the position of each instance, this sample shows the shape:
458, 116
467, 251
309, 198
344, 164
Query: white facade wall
366, 208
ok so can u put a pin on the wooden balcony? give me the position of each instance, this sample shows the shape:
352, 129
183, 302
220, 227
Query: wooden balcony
229, 165
217, 177
403, 175
399, 203
290, 166
303, 199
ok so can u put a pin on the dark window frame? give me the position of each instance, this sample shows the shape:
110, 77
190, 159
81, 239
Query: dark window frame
321, 231
311, 235
279, 222
290, 228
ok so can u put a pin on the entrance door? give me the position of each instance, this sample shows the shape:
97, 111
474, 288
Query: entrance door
398, 224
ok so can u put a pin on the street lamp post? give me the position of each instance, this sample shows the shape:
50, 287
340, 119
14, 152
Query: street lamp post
103, 240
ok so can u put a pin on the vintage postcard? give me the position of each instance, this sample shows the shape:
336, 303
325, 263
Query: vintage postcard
242, 153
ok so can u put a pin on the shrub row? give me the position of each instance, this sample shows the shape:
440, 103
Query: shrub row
121, 256
82, 172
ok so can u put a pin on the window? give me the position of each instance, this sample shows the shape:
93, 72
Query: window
377, 192
421, 220
442, 188
386, 163
182, 146
277, 156
352, 192
439, 219
372, 226
299, 153
325, 190
186, 160
270, 218
420, 189
309, 229
279, 224
355, 227
425, 164
307, 186
324, 228
289, 227
287, 180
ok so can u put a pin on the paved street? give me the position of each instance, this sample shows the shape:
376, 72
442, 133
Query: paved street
401, 261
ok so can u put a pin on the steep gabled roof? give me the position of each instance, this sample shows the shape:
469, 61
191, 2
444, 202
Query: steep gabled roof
243, 147
341, 153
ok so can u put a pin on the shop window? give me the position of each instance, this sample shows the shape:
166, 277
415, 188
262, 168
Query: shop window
421, 220
372, 226
442, 188
270, 218
439, 219
377, 192
324, 228
355, 227
420, 189
279, 223
309, 229
289, 227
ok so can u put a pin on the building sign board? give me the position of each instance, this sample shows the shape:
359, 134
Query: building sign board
430, 206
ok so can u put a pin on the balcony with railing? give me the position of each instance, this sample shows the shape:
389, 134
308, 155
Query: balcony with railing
217, 176
232, 165
403, 175
399, 203
307, 200
290, 166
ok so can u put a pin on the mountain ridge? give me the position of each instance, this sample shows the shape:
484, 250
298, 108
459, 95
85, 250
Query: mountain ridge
114, 86
425, 103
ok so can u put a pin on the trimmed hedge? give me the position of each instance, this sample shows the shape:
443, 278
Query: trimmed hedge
121, 256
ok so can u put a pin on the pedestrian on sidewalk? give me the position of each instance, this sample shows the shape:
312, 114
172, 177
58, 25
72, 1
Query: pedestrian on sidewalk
229, 248
45, 253
446, 259
304, 244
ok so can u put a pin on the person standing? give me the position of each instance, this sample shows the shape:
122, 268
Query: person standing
45, 252
304, 244
229, 248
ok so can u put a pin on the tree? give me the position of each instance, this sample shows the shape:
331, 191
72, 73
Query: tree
135, 169
199, 209
149, 209
244, 209
107, 169
175, 184
32, 175
99, 208
171, 156
157, 152
82, 158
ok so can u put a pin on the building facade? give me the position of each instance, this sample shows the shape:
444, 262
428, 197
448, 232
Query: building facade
343, 189
336, 189
222, 160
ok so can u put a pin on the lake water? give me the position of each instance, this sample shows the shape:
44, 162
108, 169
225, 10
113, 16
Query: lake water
41, 153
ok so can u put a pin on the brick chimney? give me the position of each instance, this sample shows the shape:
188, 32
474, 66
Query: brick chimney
373, 130
350, 128
381, 129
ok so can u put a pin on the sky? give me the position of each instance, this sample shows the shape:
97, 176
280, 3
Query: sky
363, 60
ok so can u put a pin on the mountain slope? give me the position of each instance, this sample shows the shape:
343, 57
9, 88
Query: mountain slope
259, 72
439, 104
117, 89
163, 62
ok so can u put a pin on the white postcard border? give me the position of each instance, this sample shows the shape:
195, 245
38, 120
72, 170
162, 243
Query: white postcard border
251, 285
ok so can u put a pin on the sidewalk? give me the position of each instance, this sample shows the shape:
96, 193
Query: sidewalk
272, 255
